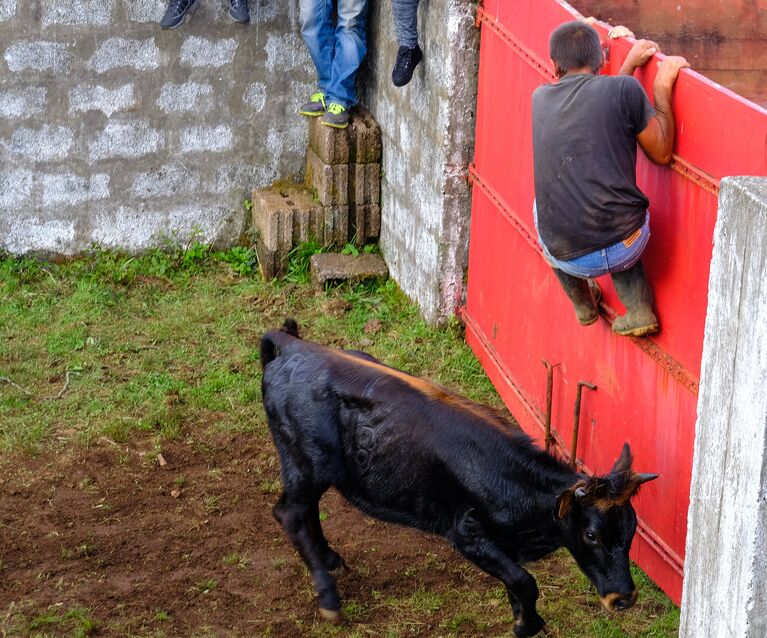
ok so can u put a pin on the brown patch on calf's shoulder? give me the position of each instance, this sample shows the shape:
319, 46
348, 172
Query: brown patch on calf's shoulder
427, 388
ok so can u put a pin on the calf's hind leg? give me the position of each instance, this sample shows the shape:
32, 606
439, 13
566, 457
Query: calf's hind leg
297, 514
331, 558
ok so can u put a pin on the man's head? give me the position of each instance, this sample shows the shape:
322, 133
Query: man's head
575, 46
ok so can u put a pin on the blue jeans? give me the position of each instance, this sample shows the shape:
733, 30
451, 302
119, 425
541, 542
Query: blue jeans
614, 258
405, 14
337, 49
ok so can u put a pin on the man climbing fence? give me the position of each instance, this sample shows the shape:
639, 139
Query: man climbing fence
590, 214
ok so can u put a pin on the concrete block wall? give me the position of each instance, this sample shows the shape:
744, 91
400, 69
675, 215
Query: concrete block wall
113, 131
427, 133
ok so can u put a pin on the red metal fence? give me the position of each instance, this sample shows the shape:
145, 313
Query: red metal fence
519, 321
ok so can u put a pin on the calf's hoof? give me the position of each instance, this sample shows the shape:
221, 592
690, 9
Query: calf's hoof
531, 628
334, 563
331, 615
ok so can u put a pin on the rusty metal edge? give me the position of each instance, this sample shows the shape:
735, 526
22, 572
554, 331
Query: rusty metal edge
646, 344
668, 555
504, 208
695, 175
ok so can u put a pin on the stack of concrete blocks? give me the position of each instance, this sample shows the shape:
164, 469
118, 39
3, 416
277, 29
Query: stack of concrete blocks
343, 166
341, 202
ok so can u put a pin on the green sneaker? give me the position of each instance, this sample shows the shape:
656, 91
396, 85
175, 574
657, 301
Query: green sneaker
336, 116
315, 106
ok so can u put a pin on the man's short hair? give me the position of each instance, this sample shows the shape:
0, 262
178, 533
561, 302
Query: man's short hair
574, 45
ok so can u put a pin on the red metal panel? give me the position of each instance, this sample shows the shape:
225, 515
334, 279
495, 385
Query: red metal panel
517, 316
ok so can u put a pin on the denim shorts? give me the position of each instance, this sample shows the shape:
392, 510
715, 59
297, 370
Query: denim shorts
615, 258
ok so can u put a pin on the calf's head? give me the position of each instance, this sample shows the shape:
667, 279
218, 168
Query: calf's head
599, 524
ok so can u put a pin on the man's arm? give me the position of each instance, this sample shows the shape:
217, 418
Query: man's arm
657, 139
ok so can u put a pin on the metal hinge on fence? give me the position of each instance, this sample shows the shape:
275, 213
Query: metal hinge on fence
547, 437
577, 420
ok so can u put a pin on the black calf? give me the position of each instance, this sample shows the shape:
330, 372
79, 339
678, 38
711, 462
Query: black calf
408, 451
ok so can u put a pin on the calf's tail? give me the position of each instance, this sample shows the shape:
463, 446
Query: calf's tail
270, 342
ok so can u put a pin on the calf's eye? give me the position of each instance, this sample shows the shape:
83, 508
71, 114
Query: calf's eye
590, 537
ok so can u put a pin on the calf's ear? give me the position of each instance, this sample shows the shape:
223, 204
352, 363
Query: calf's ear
643, 478
566, 499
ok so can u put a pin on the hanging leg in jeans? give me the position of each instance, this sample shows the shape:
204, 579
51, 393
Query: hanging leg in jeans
409, 54
317, 32
622, 261
350, 49
337, 49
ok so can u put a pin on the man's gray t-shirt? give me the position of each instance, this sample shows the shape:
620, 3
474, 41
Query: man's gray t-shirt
585, 148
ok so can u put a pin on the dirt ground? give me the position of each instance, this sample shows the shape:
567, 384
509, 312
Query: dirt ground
190, 548
192, 543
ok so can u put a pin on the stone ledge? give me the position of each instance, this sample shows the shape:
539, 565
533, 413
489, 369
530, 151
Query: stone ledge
327, 267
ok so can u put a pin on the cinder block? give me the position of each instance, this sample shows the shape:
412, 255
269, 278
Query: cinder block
284, 217
364, 138
308, 224
336, 225
331, 181
330, 144
365, 220
359, 143
39, 56
141, 55
273, 219
364, 184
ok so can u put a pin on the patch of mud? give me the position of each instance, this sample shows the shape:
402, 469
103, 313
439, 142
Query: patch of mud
151, 549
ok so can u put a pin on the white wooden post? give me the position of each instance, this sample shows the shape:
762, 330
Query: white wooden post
725, 585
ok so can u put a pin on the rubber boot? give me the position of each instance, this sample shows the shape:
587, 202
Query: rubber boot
584, 293
634, 293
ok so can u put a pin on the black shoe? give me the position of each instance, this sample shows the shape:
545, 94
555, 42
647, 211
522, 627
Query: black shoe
239, 11
175, 13
407, 60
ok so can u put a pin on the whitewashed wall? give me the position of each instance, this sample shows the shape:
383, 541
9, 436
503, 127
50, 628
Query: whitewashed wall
113, 131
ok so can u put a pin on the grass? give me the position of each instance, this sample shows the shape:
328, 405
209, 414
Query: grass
150, 345
75, 622
206, 586
153, 347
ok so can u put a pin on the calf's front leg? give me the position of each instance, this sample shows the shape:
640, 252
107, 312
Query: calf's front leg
469, 539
